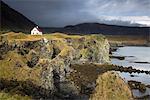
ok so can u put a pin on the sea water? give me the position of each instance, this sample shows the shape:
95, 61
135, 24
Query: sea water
132, 55
138, 58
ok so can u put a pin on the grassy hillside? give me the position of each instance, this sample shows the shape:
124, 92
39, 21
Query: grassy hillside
24, 58
127, 40
12, 20
57, 66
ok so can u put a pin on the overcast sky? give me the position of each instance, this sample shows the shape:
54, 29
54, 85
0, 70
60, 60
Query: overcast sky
52, 13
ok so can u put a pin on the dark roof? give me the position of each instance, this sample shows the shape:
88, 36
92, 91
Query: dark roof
38, 29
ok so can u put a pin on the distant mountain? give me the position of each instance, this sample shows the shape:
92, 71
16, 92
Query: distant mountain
137, 21
14, 21
89, 28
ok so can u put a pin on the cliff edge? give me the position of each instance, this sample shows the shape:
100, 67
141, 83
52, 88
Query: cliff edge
40, 66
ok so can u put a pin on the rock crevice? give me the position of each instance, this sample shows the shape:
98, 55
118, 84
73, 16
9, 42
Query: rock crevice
49, 59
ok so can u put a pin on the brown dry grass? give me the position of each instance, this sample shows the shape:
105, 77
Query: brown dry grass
111, 87
135, 40
9, 70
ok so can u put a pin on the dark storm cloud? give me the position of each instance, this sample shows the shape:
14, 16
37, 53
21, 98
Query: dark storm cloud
120, 7
64, 12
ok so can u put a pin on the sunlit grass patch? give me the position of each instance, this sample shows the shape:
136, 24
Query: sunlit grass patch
8, 96
14, 67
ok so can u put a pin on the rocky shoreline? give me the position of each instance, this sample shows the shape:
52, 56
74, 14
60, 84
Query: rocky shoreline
135, 86
60, 66
45, 61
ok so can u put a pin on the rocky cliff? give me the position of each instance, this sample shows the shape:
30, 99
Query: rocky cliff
40, 66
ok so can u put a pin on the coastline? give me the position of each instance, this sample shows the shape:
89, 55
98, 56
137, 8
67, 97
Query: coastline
140, 90
60, 66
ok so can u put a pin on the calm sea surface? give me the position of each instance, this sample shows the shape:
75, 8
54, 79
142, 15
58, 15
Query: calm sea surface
133, 54
133, 57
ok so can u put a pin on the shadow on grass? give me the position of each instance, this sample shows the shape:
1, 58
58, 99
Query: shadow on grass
24, 88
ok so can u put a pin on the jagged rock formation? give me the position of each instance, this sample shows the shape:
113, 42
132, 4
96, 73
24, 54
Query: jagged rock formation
45, 60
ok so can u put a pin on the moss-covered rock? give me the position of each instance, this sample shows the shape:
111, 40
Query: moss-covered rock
45, 61
111, 87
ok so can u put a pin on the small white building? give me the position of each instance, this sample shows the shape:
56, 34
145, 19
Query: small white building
36, 31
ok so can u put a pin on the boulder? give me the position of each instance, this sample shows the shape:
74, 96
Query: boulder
110, 86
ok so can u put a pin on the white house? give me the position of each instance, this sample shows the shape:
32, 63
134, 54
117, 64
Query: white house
36, 31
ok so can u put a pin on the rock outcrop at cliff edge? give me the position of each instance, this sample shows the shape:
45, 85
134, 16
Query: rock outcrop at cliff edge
67, 50
111, 87
45, 62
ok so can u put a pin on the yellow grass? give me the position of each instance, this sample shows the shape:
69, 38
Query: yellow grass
126, 39
8, 96
9, 70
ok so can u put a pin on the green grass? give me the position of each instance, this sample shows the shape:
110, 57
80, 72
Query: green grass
8, 66
8, 96
9, 70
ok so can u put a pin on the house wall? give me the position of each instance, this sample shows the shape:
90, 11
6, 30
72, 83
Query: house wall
35, 32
